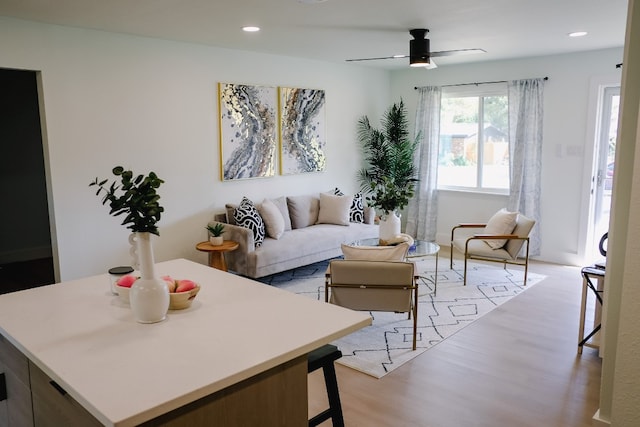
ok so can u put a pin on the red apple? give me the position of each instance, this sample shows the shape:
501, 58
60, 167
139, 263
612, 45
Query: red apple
185, 285
171, 284
126, 281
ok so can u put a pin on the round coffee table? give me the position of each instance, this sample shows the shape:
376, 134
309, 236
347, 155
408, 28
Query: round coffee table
419, 249
216, 252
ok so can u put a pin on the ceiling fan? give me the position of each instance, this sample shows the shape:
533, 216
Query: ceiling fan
419, 54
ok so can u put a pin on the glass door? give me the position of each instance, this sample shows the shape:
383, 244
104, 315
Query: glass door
605, 166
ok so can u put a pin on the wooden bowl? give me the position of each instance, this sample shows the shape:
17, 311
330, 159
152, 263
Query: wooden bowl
182, 300
177, 300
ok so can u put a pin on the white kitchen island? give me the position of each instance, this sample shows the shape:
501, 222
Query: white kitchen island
237, 355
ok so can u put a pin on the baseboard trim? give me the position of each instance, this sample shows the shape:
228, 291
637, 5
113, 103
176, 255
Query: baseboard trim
596, 421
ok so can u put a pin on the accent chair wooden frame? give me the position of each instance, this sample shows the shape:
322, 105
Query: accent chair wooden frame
374, 286
474, 247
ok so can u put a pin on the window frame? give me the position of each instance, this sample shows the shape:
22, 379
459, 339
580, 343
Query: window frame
481, 91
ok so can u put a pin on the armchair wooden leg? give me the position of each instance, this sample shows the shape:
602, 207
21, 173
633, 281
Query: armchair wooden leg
415, 314
465, 270
526, 262
451, 257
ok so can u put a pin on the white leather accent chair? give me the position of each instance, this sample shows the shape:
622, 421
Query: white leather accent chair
478, 246
374, 286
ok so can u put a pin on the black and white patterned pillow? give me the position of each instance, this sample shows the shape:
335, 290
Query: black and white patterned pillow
246, 215
356, 211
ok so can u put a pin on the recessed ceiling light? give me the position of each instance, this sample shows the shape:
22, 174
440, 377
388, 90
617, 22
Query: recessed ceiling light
250, 29
399, 56
578, 34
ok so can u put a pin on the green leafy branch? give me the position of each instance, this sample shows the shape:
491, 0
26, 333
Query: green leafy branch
134, 197
389, 177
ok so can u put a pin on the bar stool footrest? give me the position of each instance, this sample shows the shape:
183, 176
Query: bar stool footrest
324, 357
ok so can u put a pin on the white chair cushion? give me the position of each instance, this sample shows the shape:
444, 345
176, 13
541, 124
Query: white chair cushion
502, 222
376, 253
523, 229
479, 248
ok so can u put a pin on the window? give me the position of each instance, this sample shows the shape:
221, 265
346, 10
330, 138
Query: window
474, 139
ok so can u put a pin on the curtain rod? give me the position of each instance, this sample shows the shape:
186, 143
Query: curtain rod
478, 83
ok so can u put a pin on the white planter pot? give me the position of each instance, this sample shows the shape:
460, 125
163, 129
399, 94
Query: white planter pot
389, 226
216, 241
149, 295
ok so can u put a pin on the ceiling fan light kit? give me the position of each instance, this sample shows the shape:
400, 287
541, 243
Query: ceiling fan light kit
419, 51
419, 48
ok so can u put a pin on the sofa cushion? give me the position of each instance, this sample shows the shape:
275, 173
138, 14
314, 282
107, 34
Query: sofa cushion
246, 215
356, 210
334, 209
230, 210
281, 204
376, 253
273, 220
502, 222
303, 210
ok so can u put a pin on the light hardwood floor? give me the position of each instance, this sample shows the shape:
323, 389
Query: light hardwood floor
516, 366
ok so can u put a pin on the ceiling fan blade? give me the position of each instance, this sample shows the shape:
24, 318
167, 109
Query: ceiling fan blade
419, 55
457, 52
431, 65
375, 59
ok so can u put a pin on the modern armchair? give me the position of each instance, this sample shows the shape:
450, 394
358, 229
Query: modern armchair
374, 286
495, 242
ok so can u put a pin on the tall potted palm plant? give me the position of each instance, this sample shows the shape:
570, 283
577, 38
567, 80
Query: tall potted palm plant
389, 175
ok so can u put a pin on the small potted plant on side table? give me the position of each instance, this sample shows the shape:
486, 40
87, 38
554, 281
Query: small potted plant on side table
216, 231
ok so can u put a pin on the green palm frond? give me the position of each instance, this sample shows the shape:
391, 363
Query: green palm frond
389, 175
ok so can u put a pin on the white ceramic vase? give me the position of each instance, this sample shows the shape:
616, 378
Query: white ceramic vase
389, 226
216, 240
149, 295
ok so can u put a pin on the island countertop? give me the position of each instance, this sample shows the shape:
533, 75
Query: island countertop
125, 373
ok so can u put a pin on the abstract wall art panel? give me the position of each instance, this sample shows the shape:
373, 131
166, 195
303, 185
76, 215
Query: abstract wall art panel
302, 130
248, 131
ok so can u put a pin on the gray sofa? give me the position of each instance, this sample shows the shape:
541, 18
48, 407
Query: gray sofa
315, 227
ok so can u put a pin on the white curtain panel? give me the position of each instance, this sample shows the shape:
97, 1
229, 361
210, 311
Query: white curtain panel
525, 151
423, 207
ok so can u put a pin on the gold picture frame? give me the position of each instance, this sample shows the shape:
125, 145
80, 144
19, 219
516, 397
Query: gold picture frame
248, 129
302, 130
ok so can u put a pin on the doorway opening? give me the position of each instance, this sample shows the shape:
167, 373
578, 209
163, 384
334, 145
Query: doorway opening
604, 164
26, 256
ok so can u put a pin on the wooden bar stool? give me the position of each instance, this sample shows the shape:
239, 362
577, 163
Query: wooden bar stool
588, 273
324, 357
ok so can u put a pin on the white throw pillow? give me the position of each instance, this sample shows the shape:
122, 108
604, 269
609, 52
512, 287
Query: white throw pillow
272, 217
356, 211
502, 222
334, 209
376, 253
281, 204
303, 210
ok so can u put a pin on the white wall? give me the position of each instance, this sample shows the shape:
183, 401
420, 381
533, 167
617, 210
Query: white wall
620, 385
567, 147
151, 104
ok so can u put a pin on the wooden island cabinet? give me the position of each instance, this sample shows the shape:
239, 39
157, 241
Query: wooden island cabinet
15, 392
72, 354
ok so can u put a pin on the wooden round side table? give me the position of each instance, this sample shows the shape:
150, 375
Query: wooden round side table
216, 252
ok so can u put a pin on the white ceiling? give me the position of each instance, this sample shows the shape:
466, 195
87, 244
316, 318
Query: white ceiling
334, 30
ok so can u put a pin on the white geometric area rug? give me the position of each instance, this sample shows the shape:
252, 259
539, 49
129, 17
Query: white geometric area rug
386, 344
